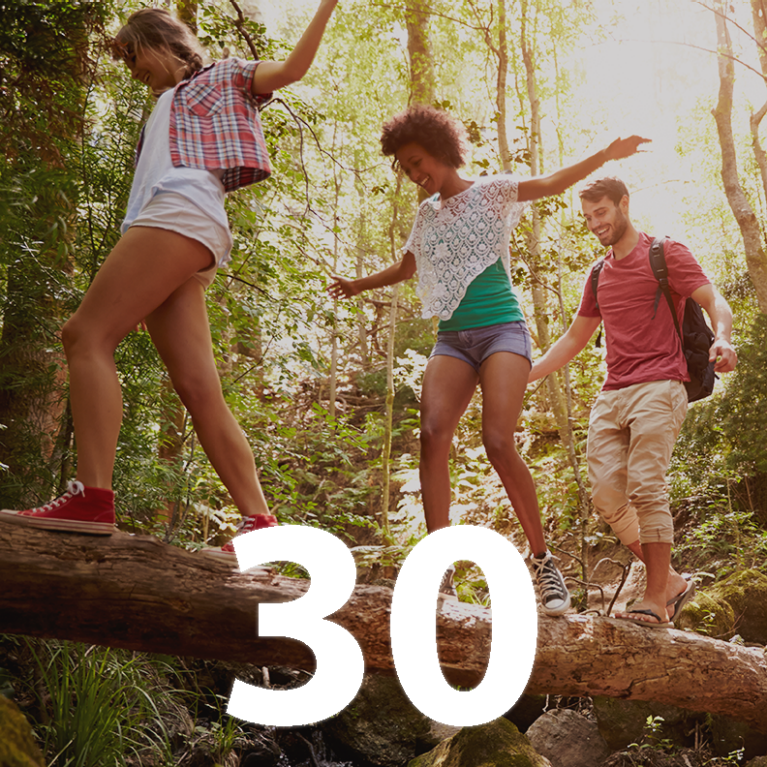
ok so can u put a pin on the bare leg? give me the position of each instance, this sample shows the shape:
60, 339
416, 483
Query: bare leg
448, 385
181, 333
676, 584
144, 268
503, 377
657, 559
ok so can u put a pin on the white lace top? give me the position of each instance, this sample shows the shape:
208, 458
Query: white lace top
455, 240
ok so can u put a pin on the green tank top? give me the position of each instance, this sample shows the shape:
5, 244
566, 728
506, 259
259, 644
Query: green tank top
489, 300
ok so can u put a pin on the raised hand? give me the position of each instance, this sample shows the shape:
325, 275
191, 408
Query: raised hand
625, 147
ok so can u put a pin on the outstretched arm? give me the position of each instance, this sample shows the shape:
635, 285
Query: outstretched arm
720, 313
399, 272
559, 180
273, 75
571, 343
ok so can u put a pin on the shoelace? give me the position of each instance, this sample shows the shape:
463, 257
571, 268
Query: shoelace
246, 525
548, 580
74, 487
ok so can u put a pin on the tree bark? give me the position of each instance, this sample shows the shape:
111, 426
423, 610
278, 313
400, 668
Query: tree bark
756, 258
759, 154
559, 403
419, 49
137, 593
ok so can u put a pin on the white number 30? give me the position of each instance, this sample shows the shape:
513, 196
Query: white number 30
340, 665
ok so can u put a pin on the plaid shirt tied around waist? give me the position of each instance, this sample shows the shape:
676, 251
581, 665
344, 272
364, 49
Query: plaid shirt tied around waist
214, 123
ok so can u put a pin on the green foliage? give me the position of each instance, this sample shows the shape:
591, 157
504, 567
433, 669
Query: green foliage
101, 705
42, 74
742, 413
722, 437
653, 737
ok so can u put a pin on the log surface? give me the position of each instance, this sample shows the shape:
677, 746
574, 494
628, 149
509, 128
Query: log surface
137, 593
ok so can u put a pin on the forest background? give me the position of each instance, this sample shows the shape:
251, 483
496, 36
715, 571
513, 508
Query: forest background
327, 392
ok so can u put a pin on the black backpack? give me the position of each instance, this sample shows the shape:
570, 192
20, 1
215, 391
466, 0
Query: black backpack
696, 336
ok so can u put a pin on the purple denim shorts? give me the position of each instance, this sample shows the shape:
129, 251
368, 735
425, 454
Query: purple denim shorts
475, 345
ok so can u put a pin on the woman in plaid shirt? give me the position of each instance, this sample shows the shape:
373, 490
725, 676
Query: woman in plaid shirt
202, 140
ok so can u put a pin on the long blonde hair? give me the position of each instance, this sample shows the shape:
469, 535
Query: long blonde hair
157, 28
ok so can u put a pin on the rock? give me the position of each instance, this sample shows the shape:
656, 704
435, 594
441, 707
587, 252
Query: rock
382, 726
707, 615
261, 751
622, 722
496, 744
760, 761
746, 592
568, 739
738, 603
17, 744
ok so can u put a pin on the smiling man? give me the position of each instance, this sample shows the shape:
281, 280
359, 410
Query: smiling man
637, 417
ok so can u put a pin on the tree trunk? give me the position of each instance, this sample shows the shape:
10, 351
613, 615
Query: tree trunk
137, 593
500, 97
389, 419
359, 263
419, 50
756, 258
759, 153
559, 404
33, 379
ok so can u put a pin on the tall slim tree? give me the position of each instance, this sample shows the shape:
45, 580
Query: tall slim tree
756, 257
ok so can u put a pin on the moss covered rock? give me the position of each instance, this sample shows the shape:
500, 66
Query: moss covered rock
746, 592
382, 727
736, 605
17, 744
496, 744
707, 615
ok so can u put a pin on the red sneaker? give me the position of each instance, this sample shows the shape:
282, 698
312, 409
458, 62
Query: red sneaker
80, 510
248, 524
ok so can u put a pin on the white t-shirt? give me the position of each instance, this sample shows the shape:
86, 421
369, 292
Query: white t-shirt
455, 240
155, 174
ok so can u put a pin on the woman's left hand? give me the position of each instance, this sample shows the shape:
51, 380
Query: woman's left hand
625, 147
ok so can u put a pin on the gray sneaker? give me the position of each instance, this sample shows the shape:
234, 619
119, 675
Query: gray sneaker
555, 598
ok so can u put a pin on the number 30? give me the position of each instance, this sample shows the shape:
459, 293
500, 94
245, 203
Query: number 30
340, 665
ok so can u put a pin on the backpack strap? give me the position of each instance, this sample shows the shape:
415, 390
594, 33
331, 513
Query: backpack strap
660, 270
595, 270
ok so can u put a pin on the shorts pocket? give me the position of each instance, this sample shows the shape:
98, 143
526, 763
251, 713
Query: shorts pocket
678, 396
203, 99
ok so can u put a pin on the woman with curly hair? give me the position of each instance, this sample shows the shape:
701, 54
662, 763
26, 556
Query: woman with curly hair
459, 245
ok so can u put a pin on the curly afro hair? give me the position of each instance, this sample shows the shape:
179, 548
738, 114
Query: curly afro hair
441, 135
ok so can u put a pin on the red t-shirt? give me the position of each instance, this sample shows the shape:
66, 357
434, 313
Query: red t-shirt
640, 348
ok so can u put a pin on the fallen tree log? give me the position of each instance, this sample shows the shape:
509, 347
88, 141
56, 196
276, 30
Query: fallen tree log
138, 593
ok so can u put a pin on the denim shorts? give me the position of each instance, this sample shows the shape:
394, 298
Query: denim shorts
475, 345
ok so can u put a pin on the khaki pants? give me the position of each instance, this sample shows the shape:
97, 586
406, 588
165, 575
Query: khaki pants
632, 432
